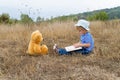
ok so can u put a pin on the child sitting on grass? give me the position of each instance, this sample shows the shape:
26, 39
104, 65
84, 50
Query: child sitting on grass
86, 40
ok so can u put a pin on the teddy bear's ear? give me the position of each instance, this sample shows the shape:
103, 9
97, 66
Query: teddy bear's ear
33, 33
37, 31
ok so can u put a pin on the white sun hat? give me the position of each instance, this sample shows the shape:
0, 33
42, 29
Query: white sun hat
83, 23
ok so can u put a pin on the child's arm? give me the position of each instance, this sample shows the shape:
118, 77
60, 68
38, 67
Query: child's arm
81, 45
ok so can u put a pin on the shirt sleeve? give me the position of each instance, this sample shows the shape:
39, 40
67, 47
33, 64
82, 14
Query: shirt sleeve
86, 39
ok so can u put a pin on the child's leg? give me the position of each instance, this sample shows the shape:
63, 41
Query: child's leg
62, 51
82, 51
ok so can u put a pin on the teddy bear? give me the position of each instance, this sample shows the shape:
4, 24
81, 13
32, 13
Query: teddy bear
34, 45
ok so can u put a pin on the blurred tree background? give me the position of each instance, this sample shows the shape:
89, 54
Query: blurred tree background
103, 14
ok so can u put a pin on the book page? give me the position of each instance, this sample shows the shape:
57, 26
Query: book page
72, 48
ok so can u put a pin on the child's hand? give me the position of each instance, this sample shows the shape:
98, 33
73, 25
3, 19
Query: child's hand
76, 45
81, 45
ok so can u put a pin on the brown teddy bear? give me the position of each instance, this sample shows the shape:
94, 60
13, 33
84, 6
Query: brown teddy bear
34, 44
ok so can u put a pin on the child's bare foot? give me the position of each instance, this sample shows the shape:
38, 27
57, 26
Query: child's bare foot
55, 47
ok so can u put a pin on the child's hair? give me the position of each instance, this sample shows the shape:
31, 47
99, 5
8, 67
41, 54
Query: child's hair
80, 28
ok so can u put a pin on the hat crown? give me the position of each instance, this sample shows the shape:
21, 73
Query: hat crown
83, 23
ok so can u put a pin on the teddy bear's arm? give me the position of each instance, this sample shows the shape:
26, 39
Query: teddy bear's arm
37, 49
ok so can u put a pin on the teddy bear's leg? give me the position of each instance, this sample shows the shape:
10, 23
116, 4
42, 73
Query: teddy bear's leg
44, 49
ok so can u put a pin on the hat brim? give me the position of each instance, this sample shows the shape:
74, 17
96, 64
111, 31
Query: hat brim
78, 25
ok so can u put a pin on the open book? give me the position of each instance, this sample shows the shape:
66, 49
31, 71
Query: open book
72, 48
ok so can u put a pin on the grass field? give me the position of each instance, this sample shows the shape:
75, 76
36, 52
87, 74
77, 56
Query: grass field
102, 64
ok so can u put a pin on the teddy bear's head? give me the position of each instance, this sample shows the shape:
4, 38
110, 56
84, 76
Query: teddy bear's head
36, 37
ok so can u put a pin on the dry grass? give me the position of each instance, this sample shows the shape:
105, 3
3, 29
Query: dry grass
102, 64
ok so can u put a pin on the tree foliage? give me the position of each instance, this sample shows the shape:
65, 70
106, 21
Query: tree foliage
99, 16
39, 19
26, 19
4, 18
103, 14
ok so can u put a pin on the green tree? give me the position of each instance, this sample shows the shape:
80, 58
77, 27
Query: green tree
99, 16
4, 18
13, 21
26, 19
39, 19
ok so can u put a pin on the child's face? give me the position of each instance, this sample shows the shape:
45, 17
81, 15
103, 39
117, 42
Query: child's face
81, 30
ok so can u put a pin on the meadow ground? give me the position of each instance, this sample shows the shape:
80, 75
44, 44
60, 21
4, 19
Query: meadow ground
102, 64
